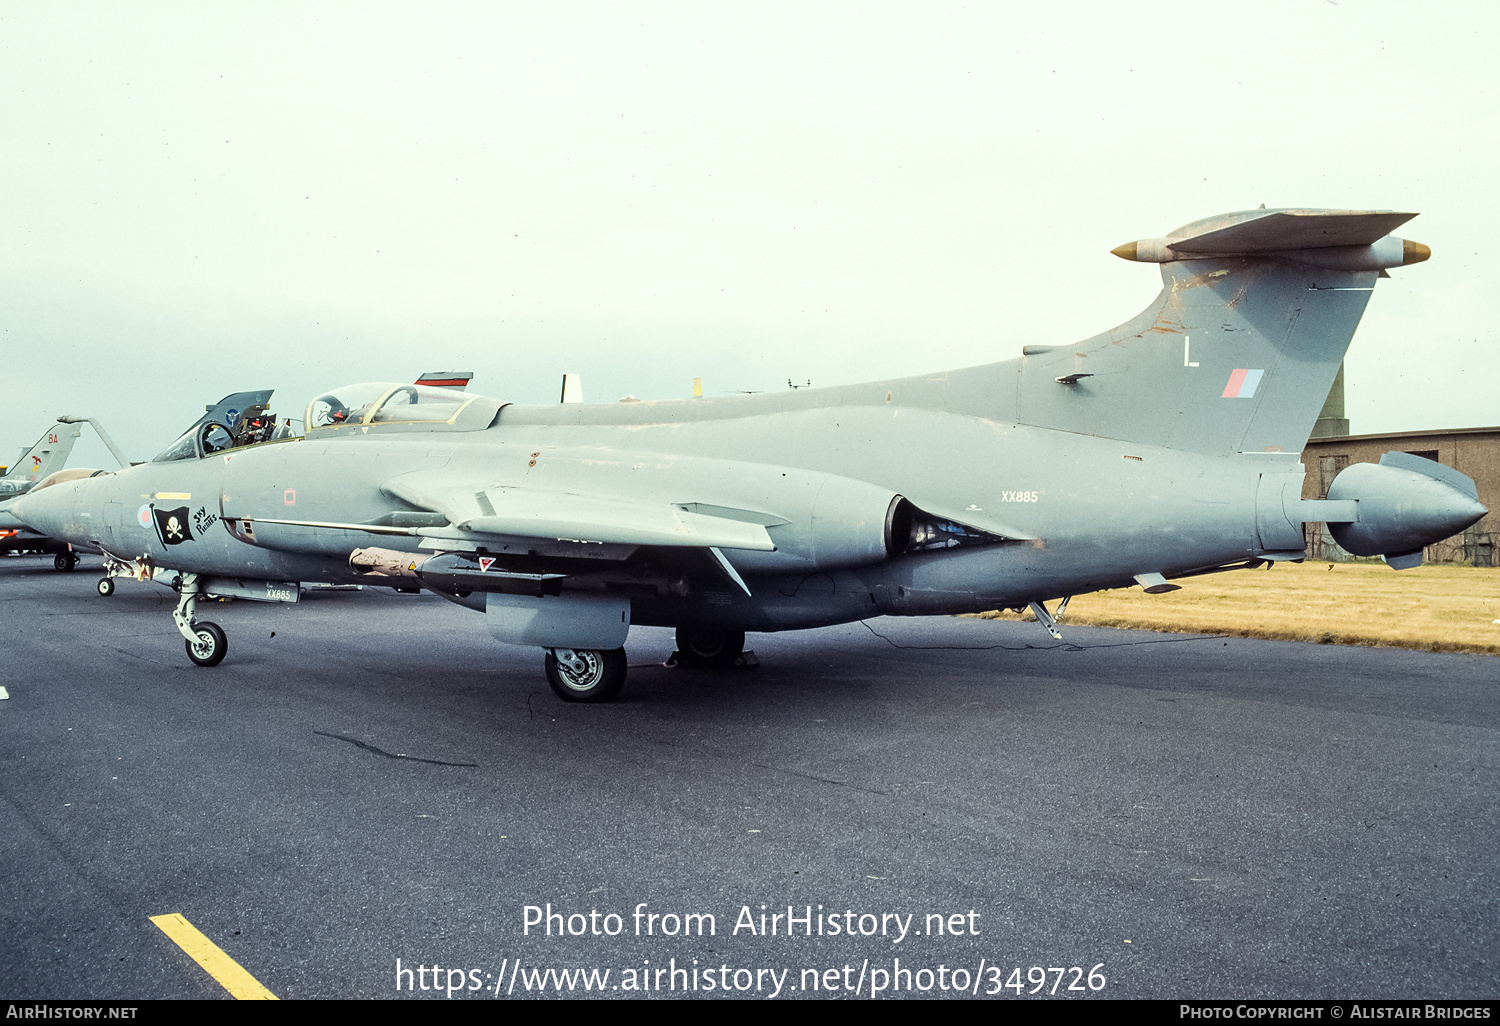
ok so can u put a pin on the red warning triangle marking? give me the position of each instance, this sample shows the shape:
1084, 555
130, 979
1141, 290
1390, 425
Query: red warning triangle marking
485, 562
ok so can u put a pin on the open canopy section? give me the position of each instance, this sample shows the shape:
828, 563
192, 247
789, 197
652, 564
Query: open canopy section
384, 406
237, 420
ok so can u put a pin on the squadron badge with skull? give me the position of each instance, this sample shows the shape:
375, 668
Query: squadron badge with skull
172, 526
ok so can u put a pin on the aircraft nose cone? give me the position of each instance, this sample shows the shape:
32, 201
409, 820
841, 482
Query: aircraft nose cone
45, 511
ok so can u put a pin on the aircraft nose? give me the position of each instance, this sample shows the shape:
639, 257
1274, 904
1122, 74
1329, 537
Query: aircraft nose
46, 511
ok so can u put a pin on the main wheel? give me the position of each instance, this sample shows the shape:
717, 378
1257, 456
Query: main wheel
586, 675
700, 647
106, 586
64, 561
210, 645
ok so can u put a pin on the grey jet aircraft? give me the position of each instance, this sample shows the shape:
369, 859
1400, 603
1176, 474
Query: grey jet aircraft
1161, 449
48, 456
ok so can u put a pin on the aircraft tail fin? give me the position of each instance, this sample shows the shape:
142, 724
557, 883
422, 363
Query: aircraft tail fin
50, 453
1240, 349
447, 379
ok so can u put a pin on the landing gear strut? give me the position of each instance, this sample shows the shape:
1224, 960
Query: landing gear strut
1047, 619
585, 674
206, 642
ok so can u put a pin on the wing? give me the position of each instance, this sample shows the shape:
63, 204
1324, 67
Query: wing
475, 508
470, 512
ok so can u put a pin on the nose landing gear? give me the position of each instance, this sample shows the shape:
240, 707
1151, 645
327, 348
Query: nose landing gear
206, 642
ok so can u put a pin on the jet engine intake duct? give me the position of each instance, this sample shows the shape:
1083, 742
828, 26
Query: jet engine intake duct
848, 524
910, 529
898, 522
1405, 503
858, 524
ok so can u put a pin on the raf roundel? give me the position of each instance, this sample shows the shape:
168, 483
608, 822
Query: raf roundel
143, 516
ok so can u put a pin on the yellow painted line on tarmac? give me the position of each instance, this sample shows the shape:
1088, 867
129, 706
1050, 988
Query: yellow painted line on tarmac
231, 976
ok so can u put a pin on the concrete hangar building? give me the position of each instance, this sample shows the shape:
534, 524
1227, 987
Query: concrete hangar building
1471, 451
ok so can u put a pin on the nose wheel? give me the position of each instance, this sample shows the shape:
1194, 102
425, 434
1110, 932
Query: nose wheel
208, 645
585, 675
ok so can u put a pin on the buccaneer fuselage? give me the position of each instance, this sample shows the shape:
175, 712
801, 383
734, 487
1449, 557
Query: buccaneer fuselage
1163, 448
1035, 533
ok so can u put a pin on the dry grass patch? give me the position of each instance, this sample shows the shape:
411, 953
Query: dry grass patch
1434, 608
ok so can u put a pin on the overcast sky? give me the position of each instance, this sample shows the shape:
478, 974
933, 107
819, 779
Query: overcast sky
205, 198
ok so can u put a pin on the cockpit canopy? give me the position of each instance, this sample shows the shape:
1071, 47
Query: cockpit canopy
236, 420
393, 407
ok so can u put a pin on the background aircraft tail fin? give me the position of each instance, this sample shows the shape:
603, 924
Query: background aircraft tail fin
447, 379
1238, 352
49, 453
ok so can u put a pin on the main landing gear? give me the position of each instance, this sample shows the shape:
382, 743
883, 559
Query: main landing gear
597, 675
703, 647
65, 562
585, 674
206, 642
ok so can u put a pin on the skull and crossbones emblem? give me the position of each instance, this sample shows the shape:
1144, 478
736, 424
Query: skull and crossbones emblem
172, 526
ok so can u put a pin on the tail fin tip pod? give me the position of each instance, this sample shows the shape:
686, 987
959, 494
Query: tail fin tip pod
1240, 348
